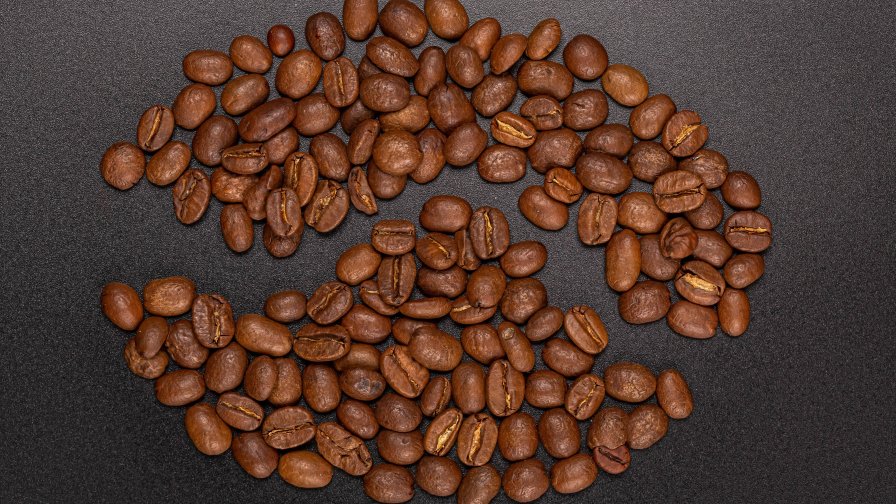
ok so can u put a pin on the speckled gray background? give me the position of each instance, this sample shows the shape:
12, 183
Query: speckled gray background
800, 409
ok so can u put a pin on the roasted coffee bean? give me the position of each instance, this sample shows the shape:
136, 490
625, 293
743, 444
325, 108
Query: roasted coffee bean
603, 173
494, 94
648, 119
315, 115
281, 40
524, 259
526, 481
330, 302
403, 328
692, 320
432, 143
744, 269
149, 368
431, 71
435, 349
449, 107
486, 286
404, 21
482, 36
404, 374
395, 278
259, 334
298, 74
646, 425
748, 231
741, 191
398, 413
649, 160
638, 212
482, 343
625, 84
360, 355
359, 18
389, 483
385, 92
502, 164
437, 251
545, 37
360, 143
283, 212
324, 35
645, 302
123, 165
427, 308
466, 256
477, 439
254, 455
342, 449
710, 165
281, 145
544, 323
613, 139
358, 264
522, 298
612, 460
288, 427
328, 206
445, 214
358, 418
209, 434
585, 328
286, 384
545, 389
559, 433
194, 104
468, 387
607, 429
180, 387
155, 128
436, 396
397, 152
412, 118
285, 306
442, 432
464, 66
316, 343
566, 358
573, 474
365, 325
629, 382
191, 196
355, 113
332, 159
165, 166
517, 347
734, 312
228, 187
518, 437
121, 305
225, 368
712, 248
320, 387
151, 335
255, 197
653, 262
597, 219
558, 147
370, 295
183, 346
362, 384
439, 476
280, 246
585, 57
684, 133
266, 120
239, 412
304, 469
208, 67
505, 388
393, 237
489, 232
562, 185
585, 110
674, 395
542, 210
212, 320
543, 111
507, 51
708, 215
449, 20
250, 54
545, 78
584, 397
699, 283
677, 239
464, 145
213, 136
261, 378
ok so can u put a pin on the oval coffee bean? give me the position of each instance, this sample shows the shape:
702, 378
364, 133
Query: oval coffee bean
573, 474
494, 94
435, 349
597, 219
239, 412
625, 84
304, 469
403, 373
562, 185
449, 20
612, 460
328, 206
744, 269
710, 165
584, 397
316, 343
585, 57
648, 119
629, 382
121, 305
489, 232
439, 476
505, 388
543, 210
167, 164
155, 128
404, 21
516, 347
442, 432
212, 320
544, 323
482, 36
184, 347
253, 455
585, 328
699, 283
122, 165
748, 231
649, 160
236, 227
259, 334
209, 434
244, 93
320, 388
366, 325
507, 51
545, 37
522, 298
607, 429
362, 384
646, 425
359, 18
389, 483
684, 133
194, 104
288, 427
208, 67
225, 368
566, 358
342, 449
180, 387
477, 439
191, 196
679, 191
645, 302
468, 388
298, 74
674, 395
250, 54
559, 433
692, 320
149, 368
481, 342
545, 389
518, 437
358, 418
526, 481
445, 214
677, 239
545, 78
734, 312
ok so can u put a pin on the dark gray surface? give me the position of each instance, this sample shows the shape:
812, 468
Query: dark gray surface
798, 410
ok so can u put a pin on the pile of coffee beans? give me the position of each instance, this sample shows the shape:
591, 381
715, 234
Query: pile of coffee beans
373, 351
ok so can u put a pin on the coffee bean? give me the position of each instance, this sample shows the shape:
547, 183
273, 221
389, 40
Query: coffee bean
464, 66
517, 347
255, 197
638, 212
612, 460
507, 51
149, 368
744, 269
431, 71
545, 78
468, 387
320, 387
543, 111
712, 248
370, 295
607, 430
518, 437
699, 283
412, 118
653, 263
649, 160
522, 298
393, 237
505, 388
388, 483
213, 136
439, 476
121, 305
261, 378
435, 349
280, 246
397, 152
437, 251
362, 384
625, 84
585, 57
403, 373
466, 256
395, 278
489, 232
494, 94
449, 107
708, 215
584, 397
684, 133
741, 191
342, 449
442, 432
281, 145
445, 214
477, 439
298, 74
436, 396
266, 120
359, 18
558, 147
315, 115
358, 418
482, 343
250, 54
623, 260
482, 36
122, 165
710, 165
566, 358
545, 37
398, 413
180, 387
646, 425
692, 320
645, 302
523, 259
585, 328
330, 302
260, 334
748, 231
194, 104
365, 325
502, 164
544, 323
253, 455
677, 239
629, 382
184, 347
526, 481
360, 355
208, 67
332, 159
305, 469
559, 433
465, 144
542, 210
212, 320
151, 335
613, 139
674, 395
596, 219
328, 206
288, 427
648, 119
573, 474
404, 21
155, 128
239, 412
448, 283
165, 166
427, 308
734, 312
585, 110
228, 187
285, 306
191, 196
545, 389
385, 92
324, 35
316, 343
562, 185
225, 368
603, 173
209, 434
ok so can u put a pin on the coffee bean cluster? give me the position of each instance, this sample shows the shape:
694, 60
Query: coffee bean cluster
373, 352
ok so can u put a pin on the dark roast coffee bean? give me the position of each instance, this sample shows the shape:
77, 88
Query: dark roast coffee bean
213, 136
183, 346
239, 412
482, 343
332, 159
607, 429
566, 358
585, 110
254, 455
505, 388
544, 323
501, 164
522, 298
403, 373
360, 355
748, 231
489, 232
342, 449
677, 239
328, 206
613, 139
712, 248
435, 349
648, 119
612, 460
692, 320
464, 66
288, 388
734, 312
625, 84
208, 67
330, 302
597, 219
494, 94
436, 396
320, 387
518, 437
465, 144
603, 173
584, 396
298, 74
653, 263
585, 328
359, 18
149, 368
225, 368
389, 483
194, 104
439, 476
649, 160
674, 395
265, 121
288, 427
629, 382
545, 78
708, 215
710, 165
209, 434
358, 418
365, 325
324, 35
155, 128
122, 165
180, 387
250, 54
525, 481
741, 191
477, 439
545, 389
442, 432
684, 133
362, 384
699, 283
260, 334
638, 212
305, 469
166, 165
573, 474
322, 343
558, 147
645, 302
744, 269
646, 425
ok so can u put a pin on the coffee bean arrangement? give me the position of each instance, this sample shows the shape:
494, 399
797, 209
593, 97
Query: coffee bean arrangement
371, 350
